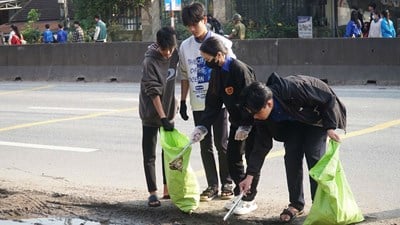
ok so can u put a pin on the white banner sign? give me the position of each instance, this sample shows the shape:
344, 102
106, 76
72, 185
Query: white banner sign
175, 5
304, 26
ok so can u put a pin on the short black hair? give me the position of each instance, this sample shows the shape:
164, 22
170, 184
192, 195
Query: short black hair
47, 26
385, 13
77, 22
166, 38
372, 4
254, 97
60, 25
192, 14
96, 16
212, 46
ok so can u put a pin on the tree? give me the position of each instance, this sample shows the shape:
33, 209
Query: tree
85, 10
31, 33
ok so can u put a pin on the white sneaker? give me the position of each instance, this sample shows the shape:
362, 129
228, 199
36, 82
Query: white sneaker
231, 202
245, 207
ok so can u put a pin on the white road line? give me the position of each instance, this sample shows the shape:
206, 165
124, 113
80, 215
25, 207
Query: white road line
72, 109
48, 147
124, 99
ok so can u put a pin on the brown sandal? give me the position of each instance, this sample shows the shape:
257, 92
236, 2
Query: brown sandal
226, 192
291, 212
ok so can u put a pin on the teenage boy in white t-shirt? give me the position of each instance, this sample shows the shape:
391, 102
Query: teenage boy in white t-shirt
195, 77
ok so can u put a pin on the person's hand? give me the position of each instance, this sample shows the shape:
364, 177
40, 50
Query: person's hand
245, 185
242, 133
333, 135
168, 126
183, 109
198, 134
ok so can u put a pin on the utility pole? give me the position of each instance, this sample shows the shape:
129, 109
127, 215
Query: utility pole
64, 12
172, 15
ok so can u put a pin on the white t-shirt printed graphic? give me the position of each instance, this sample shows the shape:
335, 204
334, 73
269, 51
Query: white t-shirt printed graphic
203, 77
193, 68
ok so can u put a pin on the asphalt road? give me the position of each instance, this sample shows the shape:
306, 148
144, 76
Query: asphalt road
90, 134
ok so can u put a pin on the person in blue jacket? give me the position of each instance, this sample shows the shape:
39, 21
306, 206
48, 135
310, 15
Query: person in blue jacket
47, 35
62, 35
353, 28
387, 27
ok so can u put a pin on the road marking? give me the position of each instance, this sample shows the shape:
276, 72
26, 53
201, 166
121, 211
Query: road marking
25, 90
88, 116
368, 130
377, 127
49, 147
119, 99
72, 109
275, 154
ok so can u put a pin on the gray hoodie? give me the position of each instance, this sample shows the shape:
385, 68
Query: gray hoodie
158, 79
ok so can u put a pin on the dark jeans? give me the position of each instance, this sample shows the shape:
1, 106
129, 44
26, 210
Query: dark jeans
236, 149
149, 144
220, 132
302, 140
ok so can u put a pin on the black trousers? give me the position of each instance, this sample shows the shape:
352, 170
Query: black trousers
307, 141
149, 145
220, 135
236, 149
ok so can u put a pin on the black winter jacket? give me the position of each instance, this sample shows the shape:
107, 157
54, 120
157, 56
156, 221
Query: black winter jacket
224, 89
307, 100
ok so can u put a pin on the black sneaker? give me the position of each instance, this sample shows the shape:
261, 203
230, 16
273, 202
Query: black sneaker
209, 194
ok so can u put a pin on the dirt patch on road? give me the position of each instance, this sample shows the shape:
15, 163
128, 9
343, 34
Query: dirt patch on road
22, 204
116, 206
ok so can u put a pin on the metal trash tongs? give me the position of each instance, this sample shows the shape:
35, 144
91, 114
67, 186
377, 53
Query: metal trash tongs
177, 162
230, 212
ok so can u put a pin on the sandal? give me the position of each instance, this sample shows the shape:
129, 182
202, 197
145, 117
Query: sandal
291, 212
226, 192
153, 201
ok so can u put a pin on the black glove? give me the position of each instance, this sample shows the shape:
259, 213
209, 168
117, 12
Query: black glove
167, 125
182, 110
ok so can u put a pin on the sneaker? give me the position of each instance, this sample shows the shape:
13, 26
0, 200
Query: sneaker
245, 207
230, 203
209, 194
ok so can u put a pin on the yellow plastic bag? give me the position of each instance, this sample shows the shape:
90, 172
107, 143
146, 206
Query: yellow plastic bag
334, 203
182, 185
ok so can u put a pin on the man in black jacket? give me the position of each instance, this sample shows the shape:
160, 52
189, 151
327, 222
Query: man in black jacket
300, 111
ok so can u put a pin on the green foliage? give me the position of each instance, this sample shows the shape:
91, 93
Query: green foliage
181, 32
115, 32
33, 15
228, 28
275, 21
85, 10
31, 33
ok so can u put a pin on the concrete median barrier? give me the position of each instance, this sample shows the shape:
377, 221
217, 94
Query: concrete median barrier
337, 61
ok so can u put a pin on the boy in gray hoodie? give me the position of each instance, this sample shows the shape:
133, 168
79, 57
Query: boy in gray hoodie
157, 105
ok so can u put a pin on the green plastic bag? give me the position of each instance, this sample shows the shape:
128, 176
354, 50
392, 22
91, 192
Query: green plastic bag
182, 186
333, 202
